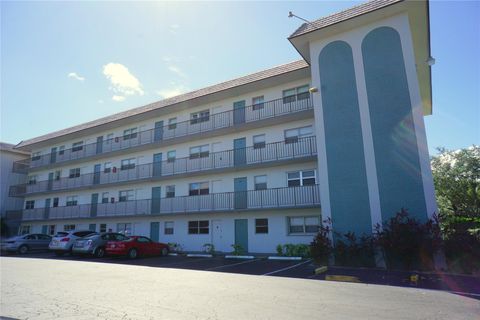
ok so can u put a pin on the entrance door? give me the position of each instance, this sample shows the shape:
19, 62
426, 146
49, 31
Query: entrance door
155, 206
53, 155
241, 233
240, 190
157, 165
154, 231
239, 151
44, 229
158, 134
96, 173
50, 181
93, 205
47, 208
92, 227
217, 235
99, 144
239, 112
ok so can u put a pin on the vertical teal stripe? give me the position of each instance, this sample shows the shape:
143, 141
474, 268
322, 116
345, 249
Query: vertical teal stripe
347, 177
395, 144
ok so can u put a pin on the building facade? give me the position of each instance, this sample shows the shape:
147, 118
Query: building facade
260, 160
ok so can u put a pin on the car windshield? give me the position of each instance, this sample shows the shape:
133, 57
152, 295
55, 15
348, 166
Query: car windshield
61, 234
90, 236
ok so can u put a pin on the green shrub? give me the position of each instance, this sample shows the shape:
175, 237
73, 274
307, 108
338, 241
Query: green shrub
280, 250
293, 250
354, 252
237, 250
321, 246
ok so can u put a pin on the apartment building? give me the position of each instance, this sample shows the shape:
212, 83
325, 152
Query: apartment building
260, 160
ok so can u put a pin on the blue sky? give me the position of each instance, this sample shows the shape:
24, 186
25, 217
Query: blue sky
64, 63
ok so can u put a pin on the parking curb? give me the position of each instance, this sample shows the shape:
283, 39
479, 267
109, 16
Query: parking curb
321, 270
342, 278
284, 258
199, 255
239, 257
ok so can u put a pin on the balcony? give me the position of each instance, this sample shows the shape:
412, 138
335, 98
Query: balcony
173, 133
278, 152
293, 197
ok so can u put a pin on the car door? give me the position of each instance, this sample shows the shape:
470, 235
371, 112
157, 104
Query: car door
43, 241
31, 241
146, 245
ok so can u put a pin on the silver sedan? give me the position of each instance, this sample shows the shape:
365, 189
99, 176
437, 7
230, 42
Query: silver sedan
27, 242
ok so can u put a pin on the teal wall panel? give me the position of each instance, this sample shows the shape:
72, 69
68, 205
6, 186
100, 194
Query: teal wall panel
395, 144
347, 177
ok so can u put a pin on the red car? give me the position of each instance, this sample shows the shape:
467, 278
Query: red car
135, 246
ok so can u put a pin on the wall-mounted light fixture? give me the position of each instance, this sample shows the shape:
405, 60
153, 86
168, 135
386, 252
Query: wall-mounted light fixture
431, 61
313, 90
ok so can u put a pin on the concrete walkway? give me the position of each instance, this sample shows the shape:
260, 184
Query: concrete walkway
51, 289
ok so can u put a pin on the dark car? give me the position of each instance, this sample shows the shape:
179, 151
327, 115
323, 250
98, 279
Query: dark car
27, 242
136, 246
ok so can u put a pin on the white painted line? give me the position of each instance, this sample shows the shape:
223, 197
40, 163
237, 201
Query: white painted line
239, 257
284, 258
230, 265
199, 255
287, 268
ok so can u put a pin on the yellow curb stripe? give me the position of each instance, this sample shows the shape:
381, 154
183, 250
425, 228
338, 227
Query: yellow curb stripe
342, 278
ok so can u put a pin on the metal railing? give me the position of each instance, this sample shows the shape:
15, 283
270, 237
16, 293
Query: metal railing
212, 122
270, 152
291, 197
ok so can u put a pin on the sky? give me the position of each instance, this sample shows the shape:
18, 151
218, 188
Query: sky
65, 63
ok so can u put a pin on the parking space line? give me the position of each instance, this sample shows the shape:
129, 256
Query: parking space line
287, 268
231, 265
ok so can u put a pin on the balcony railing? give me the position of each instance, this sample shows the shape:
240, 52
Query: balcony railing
238, 116
271, 152
292, 197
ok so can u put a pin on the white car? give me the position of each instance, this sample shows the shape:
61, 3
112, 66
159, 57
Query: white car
63, 241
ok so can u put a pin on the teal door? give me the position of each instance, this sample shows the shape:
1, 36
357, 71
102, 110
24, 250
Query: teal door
155, 206
96, 173
50, 181
240, 190
92, 227
241, 233
239, 112
99, 145
157, 165
53, 155
44, 229
154, 231
47, 208
93, 205
239, 151
158, 134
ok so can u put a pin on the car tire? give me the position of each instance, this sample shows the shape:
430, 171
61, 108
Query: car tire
23, 249
99, 252
59, 253
164, 252
132, 253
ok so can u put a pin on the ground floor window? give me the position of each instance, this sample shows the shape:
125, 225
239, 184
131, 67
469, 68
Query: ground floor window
308, 224
51, 229
24, 230
168, 227
103, 227
124, 228
68, 227
198, 227
261, 225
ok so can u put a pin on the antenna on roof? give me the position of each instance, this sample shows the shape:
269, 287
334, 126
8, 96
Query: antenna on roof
291, 15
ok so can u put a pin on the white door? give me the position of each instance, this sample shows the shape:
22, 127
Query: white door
217, 235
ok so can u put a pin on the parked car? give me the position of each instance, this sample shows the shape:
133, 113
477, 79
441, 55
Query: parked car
24, 243
136, 246
94, 244
63, 241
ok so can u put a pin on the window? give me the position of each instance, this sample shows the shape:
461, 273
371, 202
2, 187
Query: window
259, 141
198, 227
127, 164
124, 228
198, 188
261, 225
55, 202
61, 150
68, 227
107, 167
125, 195
130, 133
301, 178
77, 146
105, 196
109, 138
24, 230
172, 123
74, 173
168, 227
32, 179
299, 93
171, 156
72, 201
201, 116
36, 156
30, 204
170, 192
260, 182
303, 224
51, 229
292, 135
57, 174
199, 152
103, 227
257, 103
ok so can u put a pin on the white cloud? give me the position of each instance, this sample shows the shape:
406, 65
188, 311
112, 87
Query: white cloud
172, 92
74, 75
100, 101
118, 98
123, 83
173, 28
175, 69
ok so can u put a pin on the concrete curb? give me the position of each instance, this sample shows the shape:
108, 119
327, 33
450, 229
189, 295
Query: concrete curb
199, 255
239, 257
321, 270
284, 258
342, 278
